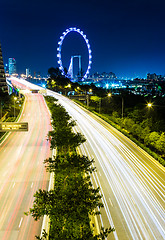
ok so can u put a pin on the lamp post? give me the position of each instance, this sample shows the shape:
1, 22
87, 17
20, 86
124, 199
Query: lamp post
122, 108
1, 111
100, 105
15, 98
87, 97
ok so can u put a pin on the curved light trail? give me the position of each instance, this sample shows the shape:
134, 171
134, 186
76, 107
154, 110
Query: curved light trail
22, 171
131, 182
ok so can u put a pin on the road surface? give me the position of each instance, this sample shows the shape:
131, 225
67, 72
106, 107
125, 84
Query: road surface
22, 171
131, 181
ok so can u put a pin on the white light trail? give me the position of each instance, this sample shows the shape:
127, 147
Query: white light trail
135, 182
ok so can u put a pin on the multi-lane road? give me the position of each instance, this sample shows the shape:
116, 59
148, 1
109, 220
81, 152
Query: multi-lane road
22, 171
131, 182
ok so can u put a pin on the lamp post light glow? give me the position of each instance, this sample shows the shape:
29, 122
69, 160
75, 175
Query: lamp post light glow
109, 94
149, 105
90, 90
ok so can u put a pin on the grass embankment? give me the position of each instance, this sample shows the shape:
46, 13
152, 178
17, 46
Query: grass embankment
73, 198
109, 119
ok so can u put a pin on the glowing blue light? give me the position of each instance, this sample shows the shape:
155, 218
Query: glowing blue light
60, 45
107, 85
43, 85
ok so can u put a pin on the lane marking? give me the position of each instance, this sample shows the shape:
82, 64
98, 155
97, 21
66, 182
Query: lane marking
20, 222
110, 202
13, 184
32, 185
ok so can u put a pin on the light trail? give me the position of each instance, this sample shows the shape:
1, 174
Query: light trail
23, 163
126, 175
132, 180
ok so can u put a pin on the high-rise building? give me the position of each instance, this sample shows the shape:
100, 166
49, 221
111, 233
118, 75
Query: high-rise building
12, 66
3, 84
28, 72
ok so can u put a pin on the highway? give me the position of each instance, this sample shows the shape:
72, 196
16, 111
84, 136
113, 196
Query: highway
22, 171
132, 182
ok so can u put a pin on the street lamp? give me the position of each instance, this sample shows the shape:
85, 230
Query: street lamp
109, 94
122, 107
69, 85
1, 111
15, 98
149, 105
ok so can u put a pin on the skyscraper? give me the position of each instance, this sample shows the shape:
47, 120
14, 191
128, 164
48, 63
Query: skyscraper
28, 72
3, 84
12, 66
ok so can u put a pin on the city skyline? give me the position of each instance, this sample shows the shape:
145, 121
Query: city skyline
126, 38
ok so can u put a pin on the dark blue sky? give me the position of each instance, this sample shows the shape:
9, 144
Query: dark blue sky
127, 37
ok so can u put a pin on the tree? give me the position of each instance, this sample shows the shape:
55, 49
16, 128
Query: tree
73, 198
160, 143
145, 132
137, 130
152, 138
74, 162
128, 123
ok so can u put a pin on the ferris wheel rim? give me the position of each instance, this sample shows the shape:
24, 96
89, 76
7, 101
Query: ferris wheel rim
62, 37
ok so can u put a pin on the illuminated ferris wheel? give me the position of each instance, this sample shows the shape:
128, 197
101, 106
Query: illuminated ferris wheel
70, 69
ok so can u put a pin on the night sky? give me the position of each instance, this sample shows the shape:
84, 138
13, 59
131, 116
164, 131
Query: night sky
127, 37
